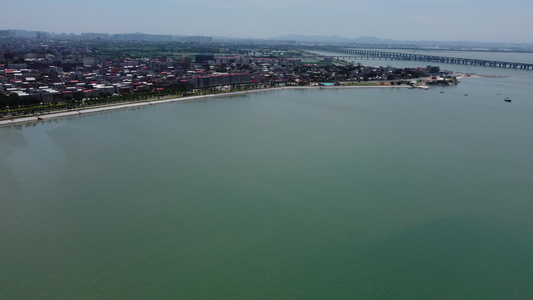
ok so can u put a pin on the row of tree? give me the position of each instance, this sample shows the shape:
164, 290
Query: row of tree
13, 105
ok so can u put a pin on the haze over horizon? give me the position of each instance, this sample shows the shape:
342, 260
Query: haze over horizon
453, 20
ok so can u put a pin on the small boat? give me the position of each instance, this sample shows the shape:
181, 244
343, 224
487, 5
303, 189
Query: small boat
466, 94
507, 99
441, 92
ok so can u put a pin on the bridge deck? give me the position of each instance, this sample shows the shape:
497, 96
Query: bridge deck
348, 54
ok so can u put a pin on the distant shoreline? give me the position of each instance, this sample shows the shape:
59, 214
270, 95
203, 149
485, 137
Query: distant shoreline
77, 112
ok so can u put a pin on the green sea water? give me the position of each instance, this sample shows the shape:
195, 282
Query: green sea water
297, 194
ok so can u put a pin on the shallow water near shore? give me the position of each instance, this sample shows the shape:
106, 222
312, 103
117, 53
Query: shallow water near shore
325, 194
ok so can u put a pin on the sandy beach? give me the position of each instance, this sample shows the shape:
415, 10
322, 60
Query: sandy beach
63, 114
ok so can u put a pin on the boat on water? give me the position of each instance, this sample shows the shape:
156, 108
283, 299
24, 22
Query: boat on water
507, 99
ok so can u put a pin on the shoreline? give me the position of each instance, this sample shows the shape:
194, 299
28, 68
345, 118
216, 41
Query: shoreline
84, 111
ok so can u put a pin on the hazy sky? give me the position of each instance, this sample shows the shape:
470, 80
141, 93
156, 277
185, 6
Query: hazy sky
445, 20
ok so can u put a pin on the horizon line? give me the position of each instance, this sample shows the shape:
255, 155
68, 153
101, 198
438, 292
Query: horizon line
299, 37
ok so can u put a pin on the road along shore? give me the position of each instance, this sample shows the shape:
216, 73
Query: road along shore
77, 112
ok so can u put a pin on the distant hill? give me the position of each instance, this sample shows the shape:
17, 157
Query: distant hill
312, 39
372, 40
364, 41
332, 39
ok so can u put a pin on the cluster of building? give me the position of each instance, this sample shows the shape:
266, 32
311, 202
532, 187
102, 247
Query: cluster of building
50, 80
47, 75
28, 34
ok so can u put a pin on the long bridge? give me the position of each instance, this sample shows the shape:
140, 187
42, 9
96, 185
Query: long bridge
353, 54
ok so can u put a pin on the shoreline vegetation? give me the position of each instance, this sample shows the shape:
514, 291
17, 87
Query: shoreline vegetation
17, 120
69, 111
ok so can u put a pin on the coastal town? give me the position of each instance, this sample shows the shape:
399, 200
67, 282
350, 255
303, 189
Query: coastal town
42, 75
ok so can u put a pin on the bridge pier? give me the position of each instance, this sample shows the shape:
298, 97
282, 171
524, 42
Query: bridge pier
356, 53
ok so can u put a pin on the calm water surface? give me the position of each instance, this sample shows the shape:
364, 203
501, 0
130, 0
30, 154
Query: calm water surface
319, 194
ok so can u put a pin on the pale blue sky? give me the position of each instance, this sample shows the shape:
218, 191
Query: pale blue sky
445, 20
